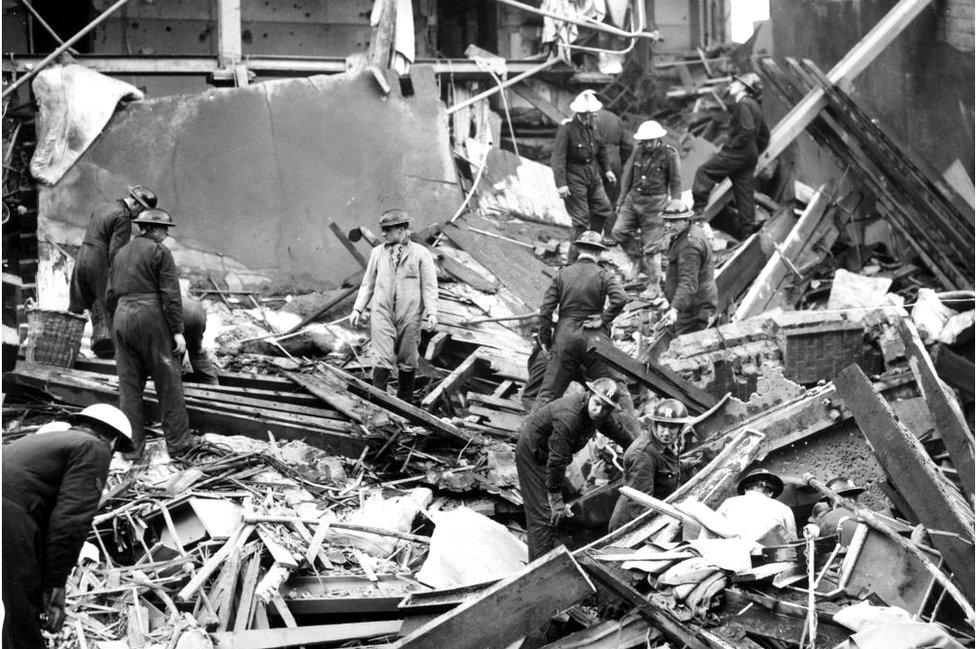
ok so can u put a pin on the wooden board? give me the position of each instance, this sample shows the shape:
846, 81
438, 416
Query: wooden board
515, 607
453, 382
332, 391
936, 502
304, 635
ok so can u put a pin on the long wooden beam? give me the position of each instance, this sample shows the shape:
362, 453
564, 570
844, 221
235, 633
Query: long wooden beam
856, 60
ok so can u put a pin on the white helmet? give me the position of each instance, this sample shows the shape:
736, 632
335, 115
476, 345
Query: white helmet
112, 417
650, 130
585, 102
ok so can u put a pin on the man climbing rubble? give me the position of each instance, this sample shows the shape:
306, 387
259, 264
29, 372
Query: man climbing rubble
652, 177
737, 159
400, 289
651, 463
689, 285
580, 162
547, 441
588, 297
109, 228
144, 299
52, 483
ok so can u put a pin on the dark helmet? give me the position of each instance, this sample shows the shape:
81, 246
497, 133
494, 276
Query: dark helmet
155, 217
845, 487
669, 417
761, 475
393, 218
591, 239
607, 389
751, 81
143, 196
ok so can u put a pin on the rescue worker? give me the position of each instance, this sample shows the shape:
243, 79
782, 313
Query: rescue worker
52, 484
536, 366
194, 326
689, 285
651, 463
652, 177
832, 518
616, 138
547, 441
144, 299
400, 289
736, 160
580, 162
589, 298
109, 228
756, 513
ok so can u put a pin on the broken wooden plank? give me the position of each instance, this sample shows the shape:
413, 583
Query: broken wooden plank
236, 540
526, 92
411, 413
935, 501
347, 244
945, 409
248, 584
658, 378
515, 607
332, 391
453, 382
305, 635
739, 271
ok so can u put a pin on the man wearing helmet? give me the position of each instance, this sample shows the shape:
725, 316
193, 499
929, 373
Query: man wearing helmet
52, 484
736, 160
832, 518
690, 282
547, 441
109, 228
580, 162
144, 300
589, 298
756, 513
400, 290
651, 463
652, 176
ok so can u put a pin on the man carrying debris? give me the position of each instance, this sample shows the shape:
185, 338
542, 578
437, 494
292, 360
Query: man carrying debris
109, 228
548, 439
756, 513
194, 326
589, 298
736, 160
690, 282
652, 177
144, 299
400, 289
832, 518
52, 483
580, 162
651, 463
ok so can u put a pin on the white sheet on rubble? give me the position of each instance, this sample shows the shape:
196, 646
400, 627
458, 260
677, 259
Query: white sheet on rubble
395, 513
75, 104
468, 548
859, 292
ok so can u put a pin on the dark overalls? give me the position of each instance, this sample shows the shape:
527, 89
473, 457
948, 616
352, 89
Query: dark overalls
144, 299
619, 144
648, 468
690, 283
194, 326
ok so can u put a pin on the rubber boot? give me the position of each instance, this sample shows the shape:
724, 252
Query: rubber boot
405, 383
381, 377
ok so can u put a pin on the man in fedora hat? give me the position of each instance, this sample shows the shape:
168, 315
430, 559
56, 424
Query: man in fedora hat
689, 285
756, 513
52, 483
588, 298
651, 463
652, 177
580, 161
831, 518
109, 228
547, 441
400, 289
736, 160
143, 298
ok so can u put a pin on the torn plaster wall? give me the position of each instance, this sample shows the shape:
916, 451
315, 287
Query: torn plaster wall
253, 176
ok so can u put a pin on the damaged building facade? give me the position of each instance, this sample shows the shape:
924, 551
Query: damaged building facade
286, 140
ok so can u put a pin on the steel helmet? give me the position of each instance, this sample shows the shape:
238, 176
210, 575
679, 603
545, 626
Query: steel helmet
108, 415
751, 81
155, 217
607, 389
393, 218
591, 239
761, 475
845, 487
650, 130
676, 210
669, 415
143, 195
586, 102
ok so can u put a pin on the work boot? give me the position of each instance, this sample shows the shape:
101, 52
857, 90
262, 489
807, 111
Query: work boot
405, 383
381, 377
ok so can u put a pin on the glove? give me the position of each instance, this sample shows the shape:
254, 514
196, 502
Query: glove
671, 316
558, 511
563, 191
53, 614
611, 177
593, 322
545, 338
179, 344
432, 321
354, 318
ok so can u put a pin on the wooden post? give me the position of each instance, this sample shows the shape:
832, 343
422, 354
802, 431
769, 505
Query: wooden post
935, 501
383, 22
229, 50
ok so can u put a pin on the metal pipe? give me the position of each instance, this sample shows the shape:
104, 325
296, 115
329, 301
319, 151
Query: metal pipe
545, 65
589, 24
44, 24
63, 47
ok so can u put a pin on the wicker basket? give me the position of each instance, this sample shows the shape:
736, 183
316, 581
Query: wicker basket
53, 337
